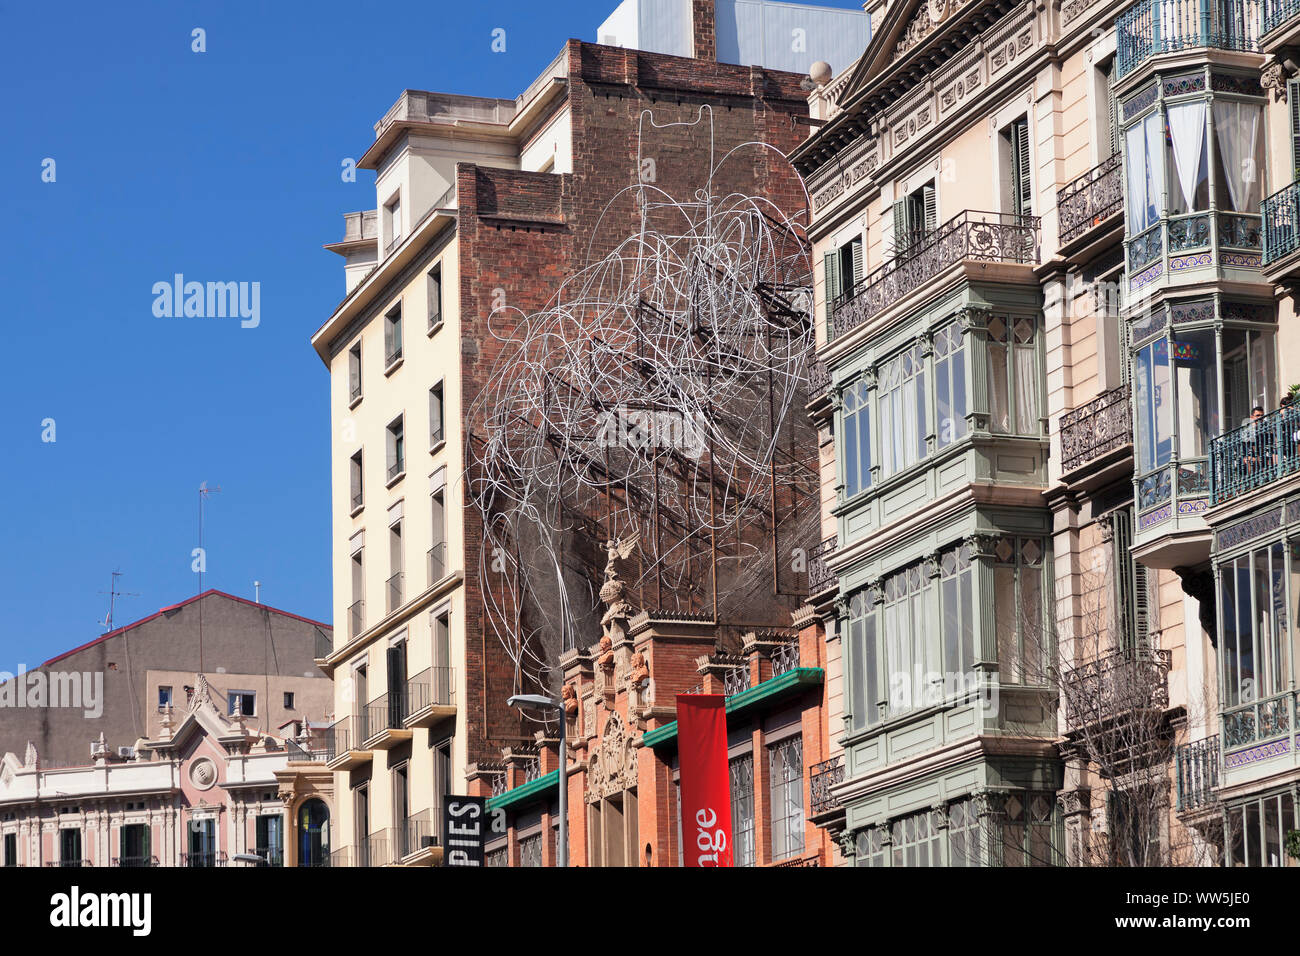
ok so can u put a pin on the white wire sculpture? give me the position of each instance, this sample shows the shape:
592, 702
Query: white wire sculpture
660, 395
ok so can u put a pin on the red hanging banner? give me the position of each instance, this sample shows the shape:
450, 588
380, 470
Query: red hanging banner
705, 786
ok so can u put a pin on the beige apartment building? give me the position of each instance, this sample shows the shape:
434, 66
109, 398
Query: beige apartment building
1058, 552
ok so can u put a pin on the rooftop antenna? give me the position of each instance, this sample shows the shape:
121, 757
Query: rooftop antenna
257, 592
113, 594
204, 491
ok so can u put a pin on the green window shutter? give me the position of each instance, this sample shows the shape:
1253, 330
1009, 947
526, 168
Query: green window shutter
1022, 186
831, 268
931, 204
900, 227
1131, 585
857, 261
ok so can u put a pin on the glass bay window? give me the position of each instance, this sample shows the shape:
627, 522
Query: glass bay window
1193, 161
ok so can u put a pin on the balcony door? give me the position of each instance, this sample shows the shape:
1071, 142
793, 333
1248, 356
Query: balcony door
397, 684
133, 848
202, 843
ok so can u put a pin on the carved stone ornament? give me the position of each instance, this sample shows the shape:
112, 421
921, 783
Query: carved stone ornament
639, 670
570, 699
612, 767
1274, 78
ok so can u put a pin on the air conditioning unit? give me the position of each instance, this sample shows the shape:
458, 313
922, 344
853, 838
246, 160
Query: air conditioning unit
127, 752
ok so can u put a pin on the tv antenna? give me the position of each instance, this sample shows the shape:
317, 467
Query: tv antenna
113, 594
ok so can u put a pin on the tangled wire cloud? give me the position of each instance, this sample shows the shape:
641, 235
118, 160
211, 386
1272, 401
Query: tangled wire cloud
651, 398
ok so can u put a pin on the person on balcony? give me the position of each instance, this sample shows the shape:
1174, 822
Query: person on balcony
1257, 442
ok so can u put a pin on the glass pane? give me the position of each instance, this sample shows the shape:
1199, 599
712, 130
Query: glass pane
1005, 611
1195, 377
999, 400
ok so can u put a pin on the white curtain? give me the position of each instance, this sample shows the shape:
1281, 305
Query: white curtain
1236, 128
1155, 161
1187, 129
1135, 150
1026, 391
1000, 419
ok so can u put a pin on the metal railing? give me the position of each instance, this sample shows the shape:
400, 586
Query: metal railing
271, 855
385, 712
970, 235
819, 380
437, 562
373, 849
1258, 721
1281, 212
1096, 429
340, 738
135, 861
821, 777
396, 468
500, 783
1278, 12
356, 618
417, 832
395, 588
354, 390
1116, 684
785, 658
392, 351
358, 499
68, 863
532, 770
295, 753
432, 687
436, 434
1091, 199
1255, 454
340, 857
1151, 27
1197, 768
208, 858
820, 577
735, 680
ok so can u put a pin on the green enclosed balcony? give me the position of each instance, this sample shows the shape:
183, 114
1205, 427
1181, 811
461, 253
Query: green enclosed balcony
1152, 27
1255, 455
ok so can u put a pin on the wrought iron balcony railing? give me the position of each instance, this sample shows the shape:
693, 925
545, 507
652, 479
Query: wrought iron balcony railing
1091, 199
433, 686
1096, 429
386, 712
819, 380
73, 863
1282, 220
356, 618
135, 861
271, 855
1152, 27
204, 859
785, 658
1278, 12
970, 235
821, 777
1115, 685
820, 577
1255, 454
341, 737
1258, 721
1197, 769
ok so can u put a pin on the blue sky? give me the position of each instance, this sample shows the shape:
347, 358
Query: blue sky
224, 166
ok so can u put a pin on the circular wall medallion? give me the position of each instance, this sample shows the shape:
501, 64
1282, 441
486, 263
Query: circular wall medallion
203, 773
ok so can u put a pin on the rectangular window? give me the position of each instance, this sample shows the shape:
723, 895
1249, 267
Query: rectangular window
1028, 826
496, 857
911, 641
393, 221
393, 335
856, 431
164, 697
1022, 637
356, 612
1252, 591
288, 700
395, 566
269, 834
396, 449
435, 297
133, 845
1239, 136
1013, 376
1144, 172
865, 687
354, 372
950, 384
436, 434
1189, 158
956, 602
1257, 832
916, 841
11, 849
901, 410
361, 823
1017, 181
1155, 411
438, 536
742, 810
202, 843
356, 481
964, 839
70, 847
245, 700
915, 219
785, 761
842, 269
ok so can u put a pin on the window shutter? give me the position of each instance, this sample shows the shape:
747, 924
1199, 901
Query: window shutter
1293, 100
900, 227
1132, 587
931, 208
857, 261
1023, 197
831, 268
